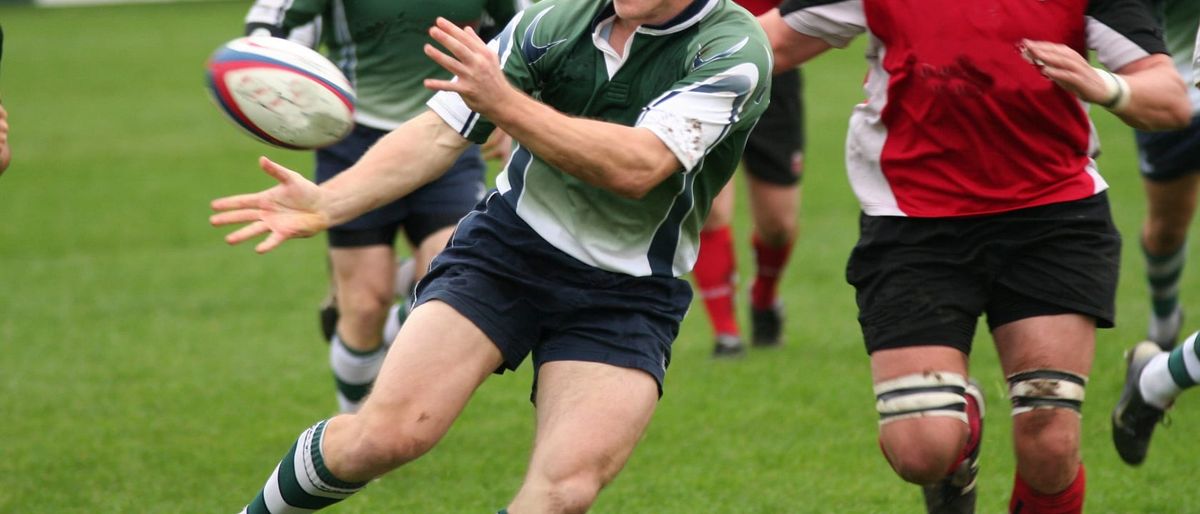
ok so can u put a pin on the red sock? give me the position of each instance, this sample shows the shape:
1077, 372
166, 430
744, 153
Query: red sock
1068, 501
770, 261
714, 272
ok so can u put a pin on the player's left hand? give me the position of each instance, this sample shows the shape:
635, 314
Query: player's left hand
498, 146
1068, 69
476, 68
292, 208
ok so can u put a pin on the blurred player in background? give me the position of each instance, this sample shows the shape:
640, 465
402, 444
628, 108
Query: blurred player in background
1170, 166
972, 160
1157, 371
575, 258
774, 165
377, 44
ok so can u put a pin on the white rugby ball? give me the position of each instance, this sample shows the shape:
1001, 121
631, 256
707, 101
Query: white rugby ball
281, 92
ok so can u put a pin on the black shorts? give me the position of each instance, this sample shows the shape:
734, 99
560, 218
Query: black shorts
926, 281
436, 205
530, 297
1164, 156
775, 149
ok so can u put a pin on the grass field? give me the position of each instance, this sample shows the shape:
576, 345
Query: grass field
147, 367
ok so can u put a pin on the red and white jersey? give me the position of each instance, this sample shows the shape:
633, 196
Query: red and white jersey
757, 7
956, 123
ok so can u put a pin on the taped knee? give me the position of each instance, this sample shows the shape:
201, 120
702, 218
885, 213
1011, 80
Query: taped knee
922, 395
1046, 389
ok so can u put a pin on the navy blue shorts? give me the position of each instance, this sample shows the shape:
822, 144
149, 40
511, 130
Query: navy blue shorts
434, 206
1164, 156
530, 297
926, 281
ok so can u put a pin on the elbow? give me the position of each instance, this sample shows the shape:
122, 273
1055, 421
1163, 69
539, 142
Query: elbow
635, 183
632, 189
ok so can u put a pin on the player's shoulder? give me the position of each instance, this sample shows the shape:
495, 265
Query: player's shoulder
732, 32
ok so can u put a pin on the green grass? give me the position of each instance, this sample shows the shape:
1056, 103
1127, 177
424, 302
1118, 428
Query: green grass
147, 367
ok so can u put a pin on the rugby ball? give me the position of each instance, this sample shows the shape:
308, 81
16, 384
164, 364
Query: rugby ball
281, 92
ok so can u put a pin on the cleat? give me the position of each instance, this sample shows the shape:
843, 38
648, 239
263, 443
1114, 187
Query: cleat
728, 346
955, 494
1133, 420
327, 315
1165, 331
766, 326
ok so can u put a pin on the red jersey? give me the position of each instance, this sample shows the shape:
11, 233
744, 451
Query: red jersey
757, 7
956, 123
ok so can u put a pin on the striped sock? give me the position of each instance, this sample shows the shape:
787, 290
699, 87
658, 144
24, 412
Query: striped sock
354, 372
1163, 273
770, 262
301, 482
1168, 374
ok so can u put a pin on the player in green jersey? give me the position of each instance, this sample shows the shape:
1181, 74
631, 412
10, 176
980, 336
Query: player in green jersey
377, 44
628, 117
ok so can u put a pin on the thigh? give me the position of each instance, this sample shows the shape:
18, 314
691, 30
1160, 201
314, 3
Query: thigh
1064, 342
589, 418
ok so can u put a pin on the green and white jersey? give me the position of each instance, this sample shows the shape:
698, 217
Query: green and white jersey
699, 82
1181, 20
377, 44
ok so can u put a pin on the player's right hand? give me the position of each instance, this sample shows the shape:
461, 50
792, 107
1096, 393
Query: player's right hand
290, 209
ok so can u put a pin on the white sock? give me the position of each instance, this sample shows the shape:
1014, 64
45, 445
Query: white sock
1169, 373
354, 372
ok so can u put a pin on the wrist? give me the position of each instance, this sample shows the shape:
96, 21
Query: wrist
1117, 93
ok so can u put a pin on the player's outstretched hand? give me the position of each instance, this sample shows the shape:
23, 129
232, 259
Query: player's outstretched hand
290, 209
1067, 68
476, 68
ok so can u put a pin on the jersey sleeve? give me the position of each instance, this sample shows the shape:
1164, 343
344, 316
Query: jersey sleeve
517, 66
726, 90
1122, 31
298, 20
836, 22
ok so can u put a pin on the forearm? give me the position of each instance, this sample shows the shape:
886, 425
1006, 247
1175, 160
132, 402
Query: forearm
790, 48
1158, 97
628, 161
405, 159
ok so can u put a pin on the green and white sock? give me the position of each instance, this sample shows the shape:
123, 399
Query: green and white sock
354, 372
1163, 273
301, 483
1169, 373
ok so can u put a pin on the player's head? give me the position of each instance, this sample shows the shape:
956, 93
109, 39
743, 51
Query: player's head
649, 12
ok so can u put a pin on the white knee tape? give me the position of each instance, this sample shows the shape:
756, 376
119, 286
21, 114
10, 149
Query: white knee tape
922, 395
1045, 389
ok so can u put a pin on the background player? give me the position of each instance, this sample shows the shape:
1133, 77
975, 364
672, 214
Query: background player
1170, 162
774, 165
574, 259
980, 195
377, 44
1170, 166
5, 149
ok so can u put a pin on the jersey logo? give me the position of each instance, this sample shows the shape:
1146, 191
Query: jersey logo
534, 51
700, 61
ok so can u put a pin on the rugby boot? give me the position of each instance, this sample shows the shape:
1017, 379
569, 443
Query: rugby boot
955, 494
727, 346
766, 326
1133, 420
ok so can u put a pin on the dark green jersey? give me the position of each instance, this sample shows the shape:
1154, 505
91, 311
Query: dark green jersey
377, 44
699, 82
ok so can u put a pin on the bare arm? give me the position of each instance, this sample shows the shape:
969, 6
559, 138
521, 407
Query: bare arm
410, 156
791, 48
5, 151
628, 161
1158, 98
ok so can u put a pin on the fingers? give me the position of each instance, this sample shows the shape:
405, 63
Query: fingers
273, 240
276, 171
240, 235
234, 217
243, 201
451, 65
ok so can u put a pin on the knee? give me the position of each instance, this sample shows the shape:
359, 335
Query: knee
1047, 447
923, 454
777, 229
570, 494
1164, 238
361, 303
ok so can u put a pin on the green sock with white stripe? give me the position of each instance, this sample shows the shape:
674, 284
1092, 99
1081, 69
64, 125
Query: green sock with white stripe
301, 483
354, 372
1163, 273
1169, 373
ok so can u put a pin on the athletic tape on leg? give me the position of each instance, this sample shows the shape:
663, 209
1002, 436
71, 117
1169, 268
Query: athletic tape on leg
1045, 389
922, 395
